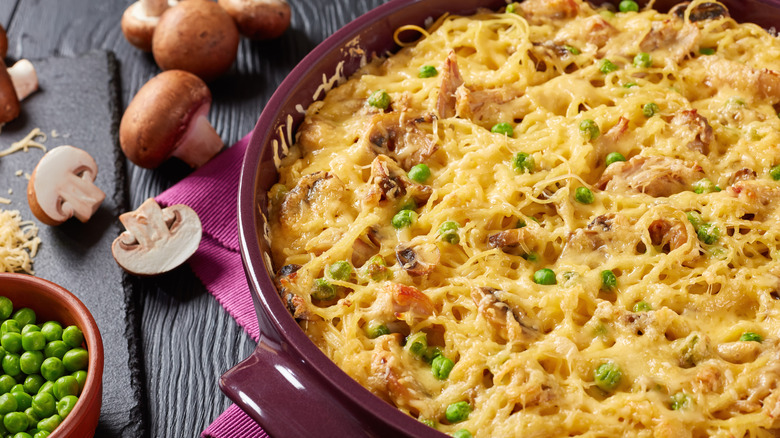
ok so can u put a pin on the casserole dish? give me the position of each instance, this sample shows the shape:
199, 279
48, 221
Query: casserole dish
288, 375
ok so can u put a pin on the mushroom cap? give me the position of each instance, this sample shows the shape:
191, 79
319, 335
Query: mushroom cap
67, 188
138, 27
197, 36
3, 42
259, 19
159, 116
9, 102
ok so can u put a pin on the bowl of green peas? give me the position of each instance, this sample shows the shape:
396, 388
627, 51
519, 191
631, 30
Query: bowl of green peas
51, 361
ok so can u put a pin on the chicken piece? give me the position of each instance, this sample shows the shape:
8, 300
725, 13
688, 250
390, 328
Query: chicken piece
739, 352
656, 176
722, 73
316, 195
398, 301
509, 323
669, 234
365, 247
517, 237
678, 41
612, 231
592, 30
693, 129
612, 141
745, 174
491, 106
759, 197
402, 136
392, 379
709, 378
450, 81
389, 183
538, 12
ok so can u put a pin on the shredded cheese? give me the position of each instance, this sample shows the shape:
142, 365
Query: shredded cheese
26, 143
19, 242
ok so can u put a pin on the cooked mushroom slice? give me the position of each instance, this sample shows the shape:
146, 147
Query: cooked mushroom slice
198, 37
693, 128
450, 81
708, 11
316, 195
656, 176
168, 118
669, 234
62, 186
510, 323
389, 182
296, 304
402, 136
417, 259
157, 240
16, 83
259, 19
140, 19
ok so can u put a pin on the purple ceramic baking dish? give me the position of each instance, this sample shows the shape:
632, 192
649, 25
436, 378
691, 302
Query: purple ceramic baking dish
288, 385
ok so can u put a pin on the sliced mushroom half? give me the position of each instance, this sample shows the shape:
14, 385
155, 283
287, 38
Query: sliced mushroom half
417, 259
157, 239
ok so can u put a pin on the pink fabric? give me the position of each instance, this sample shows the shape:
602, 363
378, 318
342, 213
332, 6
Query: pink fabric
212, 192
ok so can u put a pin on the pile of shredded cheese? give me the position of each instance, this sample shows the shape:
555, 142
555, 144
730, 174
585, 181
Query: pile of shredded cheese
18, 242
688, 224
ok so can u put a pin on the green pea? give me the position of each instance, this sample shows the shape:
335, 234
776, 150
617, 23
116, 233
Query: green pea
51, 423
341, 270
33, 341
6, 383
523, 163
33, 383
650, 109
66, 385
409, 204
427, 71
608, 280
47, 387
583, 195
694, 218
11, 342
379, 99
545, 276
457, 412
589, 129
607, 14
23, 400
678, 401
41, 434
81, 377
7, 403
774, 173
431, 353
417, 343
44, 405
532, 256
6, 307
72, 336
607, 376
32, 417
462, 433
704, 185
24, 316
30, 362
15, 422
503, 128
30, 328
18, 387
448, 231
22, 435
708, 233
441, 367
322, 290
420, 173
52, 369
66, 405
614, 157
751, 337
643, 60
628, 6
403, 219
428, 422
55, 349
375, 329
706, 51
11, 364
642, 306
376, 269
52, 330
10, 326
520, 223
571, 49
630, 85
607, 66
511, 8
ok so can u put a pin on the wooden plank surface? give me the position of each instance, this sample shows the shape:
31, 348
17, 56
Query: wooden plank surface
187, 340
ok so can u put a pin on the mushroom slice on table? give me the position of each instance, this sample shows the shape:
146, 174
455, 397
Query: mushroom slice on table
16, 83
140, 19
157, 239
259, 19
62, 186
167, 118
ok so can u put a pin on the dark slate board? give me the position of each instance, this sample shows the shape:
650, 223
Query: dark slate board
78, 100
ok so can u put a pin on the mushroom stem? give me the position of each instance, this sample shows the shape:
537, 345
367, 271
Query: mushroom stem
154, 8
24, 78
200, 144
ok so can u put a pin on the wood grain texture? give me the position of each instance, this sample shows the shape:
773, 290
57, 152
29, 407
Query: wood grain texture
187, 339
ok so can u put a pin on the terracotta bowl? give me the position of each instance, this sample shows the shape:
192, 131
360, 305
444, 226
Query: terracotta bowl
288, 385
51, 302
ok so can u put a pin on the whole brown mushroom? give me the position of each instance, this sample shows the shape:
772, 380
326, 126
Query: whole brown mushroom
167, 117
197, 36
140, 19
16, 83
259, 19
3, 42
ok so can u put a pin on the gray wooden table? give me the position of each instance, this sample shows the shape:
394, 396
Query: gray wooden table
185, 337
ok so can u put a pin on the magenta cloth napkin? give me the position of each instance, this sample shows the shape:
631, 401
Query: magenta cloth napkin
212, 191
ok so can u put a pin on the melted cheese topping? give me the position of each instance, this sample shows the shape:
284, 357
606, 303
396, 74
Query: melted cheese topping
18, 242
688, 225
